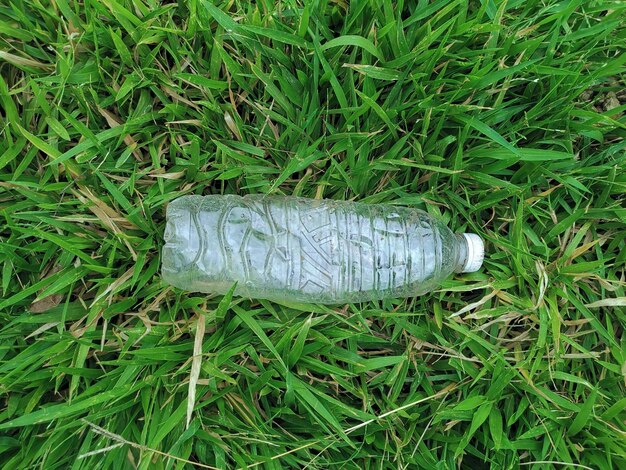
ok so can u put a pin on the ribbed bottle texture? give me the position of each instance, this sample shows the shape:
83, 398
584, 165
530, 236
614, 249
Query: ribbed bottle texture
307, 250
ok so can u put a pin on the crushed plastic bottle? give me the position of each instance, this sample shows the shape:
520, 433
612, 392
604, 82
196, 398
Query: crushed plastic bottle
306, 250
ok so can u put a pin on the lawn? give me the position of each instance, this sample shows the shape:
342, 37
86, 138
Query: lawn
503, 118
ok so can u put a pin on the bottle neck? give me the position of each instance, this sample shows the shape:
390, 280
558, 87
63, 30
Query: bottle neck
462, 253
470, 253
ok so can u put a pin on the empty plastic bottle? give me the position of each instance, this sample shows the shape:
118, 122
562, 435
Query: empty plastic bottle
307, 250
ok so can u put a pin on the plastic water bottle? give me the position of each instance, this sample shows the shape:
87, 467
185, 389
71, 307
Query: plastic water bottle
307, 250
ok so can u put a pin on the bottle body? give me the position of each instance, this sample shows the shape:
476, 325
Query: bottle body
306, 250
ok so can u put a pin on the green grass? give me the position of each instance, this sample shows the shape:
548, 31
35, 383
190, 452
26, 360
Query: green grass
506, 119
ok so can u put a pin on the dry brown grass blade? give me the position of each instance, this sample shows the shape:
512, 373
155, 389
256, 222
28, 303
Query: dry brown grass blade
45, 304
196, 363
114, 121
117, 438
19, 61
107, 216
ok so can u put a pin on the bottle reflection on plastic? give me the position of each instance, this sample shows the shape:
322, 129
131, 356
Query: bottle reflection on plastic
306, 250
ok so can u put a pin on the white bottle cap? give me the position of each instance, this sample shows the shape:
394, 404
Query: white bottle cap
475, 253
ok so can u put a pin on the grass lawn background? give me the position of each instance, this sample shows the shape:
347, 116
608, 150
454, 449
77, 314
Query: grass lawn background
503, 118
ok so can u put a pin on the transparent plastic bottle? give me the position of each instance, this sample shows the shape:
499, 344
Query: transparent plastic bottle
307, 250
